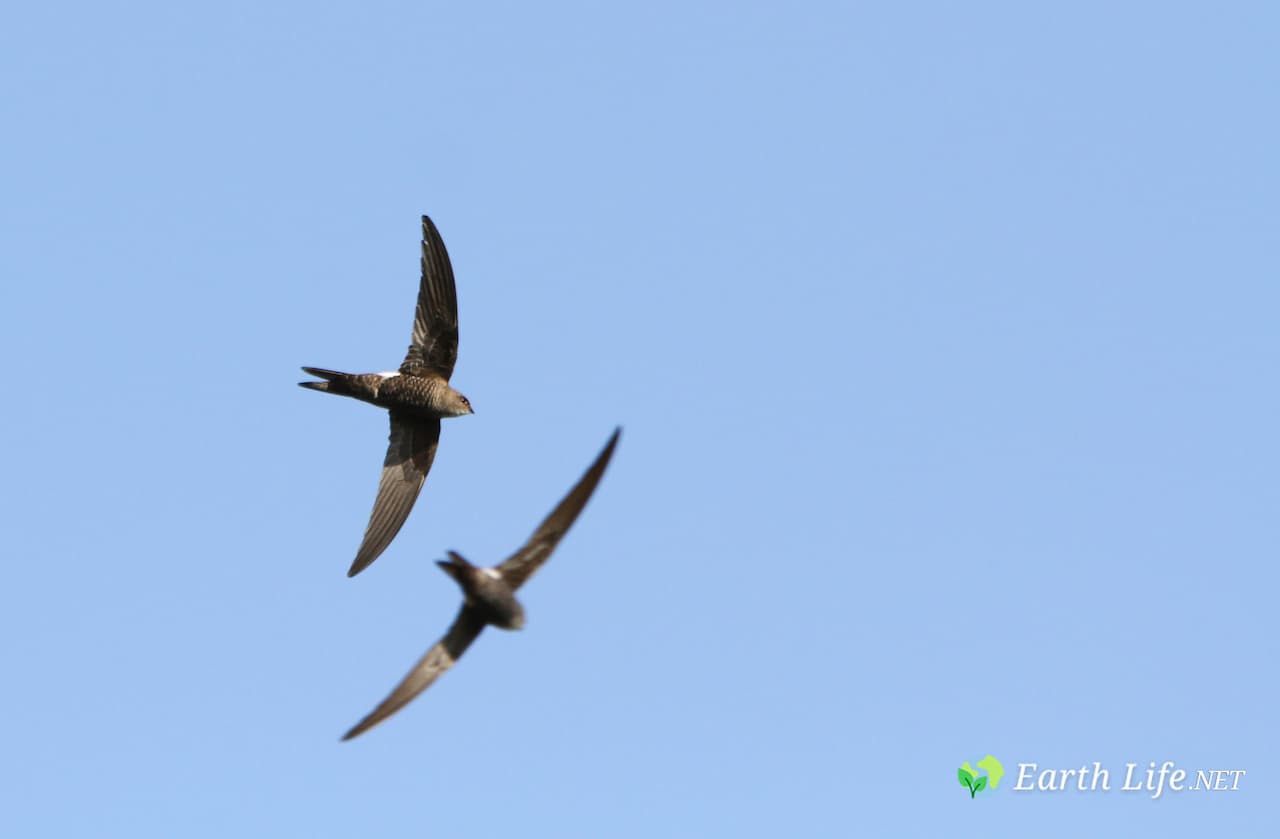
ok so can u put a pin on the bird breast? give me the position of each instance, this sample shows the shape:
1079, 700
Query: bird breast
420, 394
495, 599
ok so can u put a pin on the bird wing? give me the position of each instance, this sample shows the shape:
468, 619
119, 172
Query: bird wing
520, 566
435, 323
466, 627
409, 456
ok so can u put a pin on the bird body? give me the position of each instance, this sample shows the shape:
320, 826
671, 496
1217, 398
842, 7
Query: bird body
428, 396
484, 590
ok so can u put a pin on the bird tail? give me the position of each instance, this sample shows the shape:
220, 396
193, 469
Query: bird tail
455, 566
342, 384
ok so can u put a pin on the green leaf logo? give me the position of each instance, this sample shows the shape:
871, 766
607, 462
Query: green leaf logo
975, 783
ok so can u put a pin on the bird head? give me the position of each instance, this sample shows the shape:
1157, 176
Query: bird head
458, 405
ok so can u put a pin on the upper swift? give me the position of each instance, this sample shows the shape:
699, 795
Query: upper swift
489, 594
418, 396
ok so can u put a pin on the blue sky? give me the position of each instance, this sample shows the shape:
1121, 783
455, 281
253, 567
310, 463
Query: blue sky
943, 337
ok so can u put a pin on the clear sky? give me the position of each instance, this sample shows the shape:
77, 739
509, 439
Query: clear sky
943, 336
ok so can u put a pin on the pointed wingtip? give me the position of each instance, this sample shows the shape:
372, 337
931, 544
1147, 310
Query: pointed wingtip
356, 730
365, 557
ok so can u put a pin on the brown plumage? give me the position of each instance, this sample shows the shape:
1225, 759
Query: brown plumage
418, 396
489, 594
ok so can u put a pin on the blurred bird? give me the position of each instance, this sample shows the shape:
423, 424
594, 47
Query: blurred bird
489, 594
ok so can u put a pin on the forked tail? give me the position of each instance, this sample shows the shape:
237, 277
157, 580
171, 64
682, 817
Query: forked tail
343, 384
457, 567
